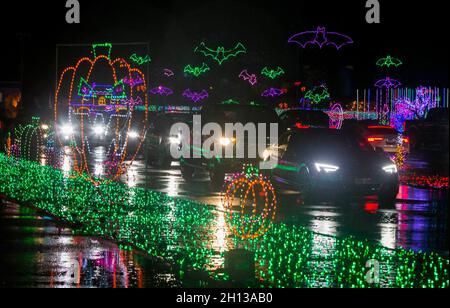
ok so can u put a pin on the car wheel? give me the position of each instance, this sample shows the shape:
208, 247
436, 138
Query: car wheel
388, 196
217, 178
187, 172
414, 141
164, 161
305, 188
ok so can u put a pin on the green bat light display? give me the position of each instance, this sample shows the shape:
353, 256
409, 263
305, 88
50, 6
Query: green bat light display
196, 71
316, 97
221, 54
389, 61
272, 73
140, 60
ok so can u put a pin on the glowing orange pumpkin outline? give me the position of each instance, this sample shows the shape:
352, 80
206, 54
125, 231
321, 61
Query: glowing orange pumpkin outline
237, 185
123, 64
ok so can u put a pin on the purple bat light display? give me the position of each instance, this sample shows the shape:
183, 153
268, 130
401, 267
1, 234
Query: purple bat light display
251, 78
164, 91
272, 92
196, 96
321, 37
388, 83
132, 82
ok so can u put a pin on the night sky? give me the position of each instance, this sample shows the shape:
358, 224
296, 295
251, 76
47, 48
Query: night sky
415, 33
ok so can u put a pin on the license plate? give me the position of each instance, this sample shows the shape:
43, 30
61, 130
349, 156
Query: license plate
365, 181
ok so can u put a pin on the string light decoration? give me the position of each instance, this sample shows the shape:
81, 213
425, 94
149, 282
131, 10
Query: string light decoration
29, 141
220, 54
384, 109
251, 78
273, 92
161, 90
318, 94
418, 108
189, 235
168, 73
388, 83
231, 102
196, 70
196, 97
255, 193
272, 73
101, 106
436, 182
389, 61
400, 157
140, 60
336, 115
321, 38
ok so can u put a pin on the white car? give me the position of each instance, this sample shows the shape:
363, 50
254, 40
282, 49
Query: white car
386, 138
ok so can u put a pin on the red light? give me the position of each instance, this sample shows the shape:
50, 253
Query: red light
301, 126
380, 127
405, 140
374, 139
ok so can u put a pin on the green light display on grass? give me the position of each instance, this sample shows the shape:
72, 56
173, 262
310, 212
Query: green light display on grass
191, 235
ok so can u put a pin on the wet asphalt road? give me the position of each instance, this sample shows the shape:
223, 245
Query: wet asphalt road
36, 251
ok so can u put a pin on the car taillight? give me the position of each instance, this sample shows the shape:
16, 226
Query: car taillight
301, 126
374, 139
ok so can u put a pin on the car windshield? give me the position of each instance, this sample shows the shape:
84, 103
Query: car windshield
331, 141
382, 131
241, 115
312, 118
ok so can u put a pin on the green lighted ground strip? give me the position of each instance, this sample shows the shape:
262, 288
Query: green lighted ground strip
193, 236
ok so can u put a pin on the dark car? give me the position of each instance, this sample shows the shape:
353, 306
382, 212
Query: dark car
304, 118
322, 162
222, 115
158, 139
431, 132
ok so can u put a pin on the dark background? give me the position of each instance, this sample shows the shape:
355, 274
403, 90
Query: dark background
415, 33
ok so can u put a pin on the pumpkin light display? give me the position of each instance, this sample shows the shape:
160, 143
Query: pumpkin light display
94, 105
257, 204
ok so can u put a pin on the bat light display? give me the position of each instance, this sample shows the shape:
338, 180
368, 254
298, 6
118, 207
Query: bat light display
389, 61
196, 96
388, 83
251, 78
140, 60
272, 73
318, 94
272, 92
196, 71
321, 38
163, 91
168, 73
221, 54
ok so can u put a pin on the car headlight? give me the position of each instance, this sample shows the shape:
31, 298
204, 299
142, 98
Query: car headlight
67, 130
326, 168
225, 141
99, 130
133, 135
391, 169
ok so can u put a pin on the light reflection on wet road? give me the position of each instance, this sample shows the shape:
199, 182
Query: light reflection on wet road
38, 252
